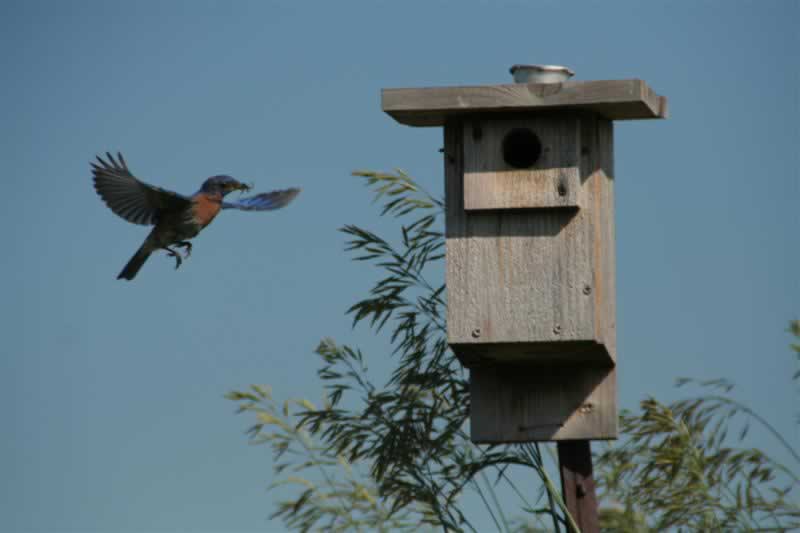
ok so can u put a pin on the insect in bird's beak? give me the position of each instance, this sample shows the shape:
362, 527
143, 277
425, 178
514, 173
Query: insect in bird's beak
244, 187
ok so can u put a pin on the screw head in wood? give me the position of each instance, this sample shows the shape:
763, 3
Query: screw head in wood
587, 290
476, 333
557, 329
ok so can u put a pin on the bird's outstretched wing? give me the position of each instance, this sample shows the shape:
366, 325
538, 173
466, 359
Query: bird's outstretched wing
130, 198
264, 201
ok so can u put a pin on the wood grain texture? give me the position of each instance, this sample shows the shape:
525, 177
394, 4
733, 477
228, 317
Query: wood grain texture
537, 278
491, 183
531, 292
611, 99
598, 165
542, 403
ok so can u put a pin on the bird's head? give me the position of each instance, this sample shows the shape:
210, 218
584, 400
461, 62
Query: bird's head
223, 185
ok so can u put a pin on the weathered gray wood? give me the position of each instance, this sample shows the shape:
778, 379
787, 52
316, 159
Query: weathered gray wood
541, 403
491, 183
611, 99
598, 166
531, 293
535, 278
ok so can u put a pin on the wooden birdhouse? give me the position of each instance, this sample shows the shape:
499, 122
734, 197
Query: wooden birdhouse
529, 172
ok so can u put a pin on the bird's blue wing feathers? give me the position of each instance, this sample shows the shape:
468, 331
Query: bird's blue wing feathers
130, 198
264, 201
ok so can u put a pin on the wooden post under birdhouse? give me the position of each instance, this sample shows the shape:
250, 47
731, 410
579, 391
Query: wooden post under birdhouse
529, 190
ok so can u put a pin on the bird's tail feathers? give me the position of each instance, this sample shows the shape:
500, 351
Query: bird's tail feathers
136, 262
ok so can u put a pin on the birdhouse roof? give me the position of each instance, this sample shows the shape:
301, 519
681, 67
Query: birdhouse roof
612, 99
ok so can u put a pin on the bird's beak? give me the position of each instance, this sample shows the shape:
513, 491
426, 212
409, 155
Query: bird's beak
237, 186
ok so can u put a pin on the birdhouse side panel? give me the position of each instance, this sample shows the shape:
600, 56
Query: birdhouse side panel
597, 176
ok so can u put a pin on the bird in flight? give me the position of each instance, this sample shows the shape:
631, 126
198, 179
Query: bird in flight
176, 218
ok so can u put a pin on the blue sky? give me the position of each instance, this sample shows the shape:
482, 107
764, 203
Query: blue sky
111, 393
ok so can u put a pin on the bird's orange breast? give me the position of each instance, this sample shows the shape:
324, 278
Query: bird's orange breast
206, 208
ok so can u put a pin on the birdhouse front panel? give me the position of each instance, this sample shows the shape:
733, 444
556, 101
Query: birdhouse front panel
530, 239
521, 163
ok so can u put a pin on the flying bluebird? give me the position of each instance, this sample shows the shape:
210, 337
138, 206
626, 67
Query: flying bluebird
176, 217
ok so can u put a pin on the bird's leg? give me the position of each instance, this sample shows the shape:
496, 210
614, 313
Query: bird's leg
176, 255
187, 246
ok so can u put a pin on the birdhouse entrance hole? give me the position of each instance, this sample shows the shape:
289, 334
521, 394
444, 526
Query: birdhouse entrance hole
521, 148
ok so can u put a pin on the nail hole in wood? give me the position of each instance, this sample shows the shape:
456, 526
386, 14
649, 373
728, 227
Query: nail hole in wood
562, 187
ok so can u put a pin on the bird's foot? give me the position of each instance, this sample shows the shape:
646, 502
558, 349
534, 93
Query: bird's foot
176, 255
187, 247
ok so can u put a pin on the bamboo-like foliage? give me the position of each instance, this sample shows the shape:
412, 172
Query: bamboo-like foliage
679, 467
397, 457
331, 494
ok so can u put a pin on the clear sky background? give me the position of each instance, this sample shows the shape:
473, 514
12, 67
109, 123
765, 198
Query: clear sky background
111, 393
